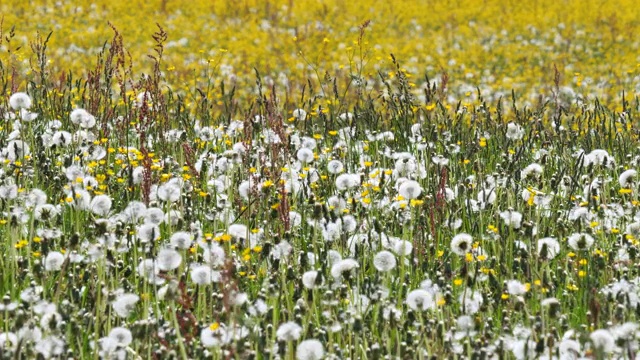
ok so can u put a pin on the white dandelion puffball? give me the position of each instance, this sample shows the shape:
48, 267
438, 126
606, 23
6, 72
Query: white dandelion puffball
548, 248
514, 131
420, 300
181, 240
168, 259
289, 331
148, 232
580, 241
101, 205
125, 304
410, 189
53, 261
20, 101
305, 155
310, 349
627, 178
299, 114
204, 275
343, 266
335, 167
461, 244
384, 261
309, 279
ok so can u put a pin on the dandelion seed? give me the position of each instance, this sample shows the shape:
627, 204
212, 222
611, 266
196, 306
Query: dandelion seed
121, 335
125, 304
603, 340
53, 261
82, 118
181, 240
627, 178
410, 189
289, 331
17, 149
309, 279
8, 191
514, 131
343, 266
305, 155
420, 300
148, 232
516, 288
580, 241
204, 275
335, 167
511, 218
101, 205
548, 248
310, 349
470, 301
347, 181
8, 341
20, 101
533, 170
168, 259
299, 114
461, 244
169, 192
402, 247
154, 216
384, 261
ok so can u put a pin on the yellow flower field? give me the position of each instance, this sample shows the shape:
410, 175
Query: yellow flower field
494, 45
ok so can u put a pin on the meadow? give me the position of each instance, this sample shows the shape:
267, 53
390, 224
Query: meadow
319, 180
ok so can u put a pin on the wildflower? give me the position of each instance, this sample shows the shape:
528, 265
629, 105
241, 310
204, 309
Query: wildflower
335, 167
53, 261
125, 304
402, 247
515, 287
101, 205
532, 170
20, 101
82, 118
514, 131
214, 255
149, 270
599, 157
580, 241
420, 299
181, 240
461, 244
548, 248
470, 301
17, 149
169, 192
310, 349
603, 340
627, 178
204, 275
511, 218
305, 155
309, 279
299, 114
384, 261
410, 189
121, 335
8, 341
148, 232
343, 266
289, 331
440, 160
168, 259
8, 191
347, 181
238, 231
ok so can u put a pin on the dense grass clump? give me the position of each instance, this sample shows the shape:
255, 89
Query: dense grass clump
359, 211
